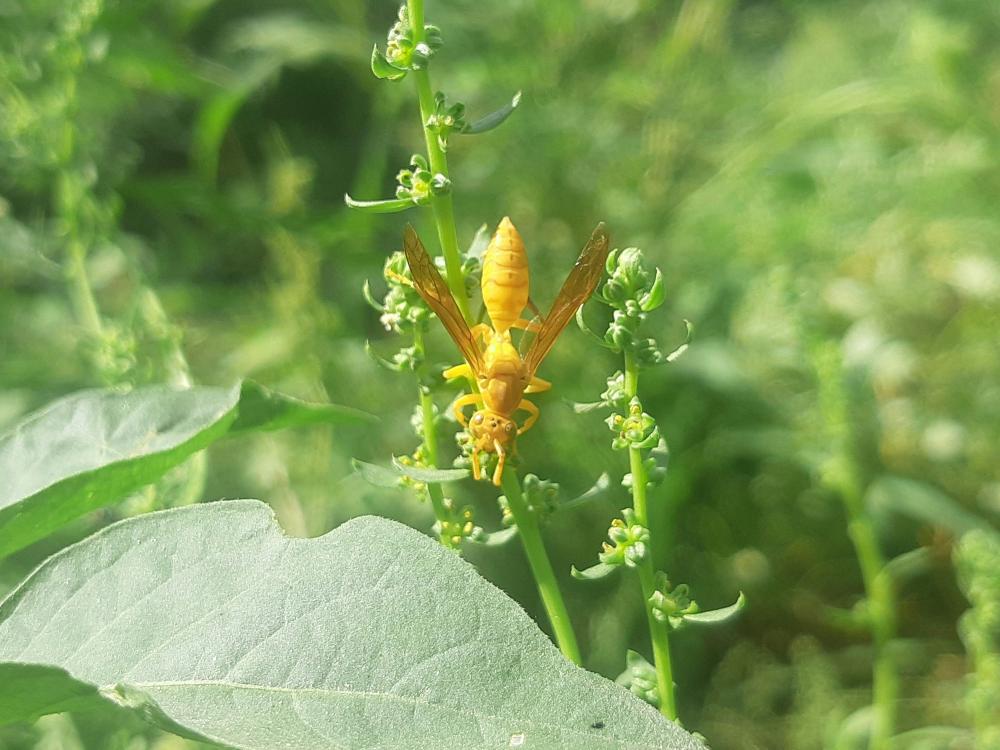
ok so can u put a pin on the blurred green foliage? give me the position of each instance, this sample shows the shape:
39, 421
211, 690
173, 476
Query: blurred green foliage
806, 174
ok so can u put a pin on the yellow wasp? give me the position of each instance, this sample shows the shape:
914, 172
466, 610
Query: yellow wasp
503, 375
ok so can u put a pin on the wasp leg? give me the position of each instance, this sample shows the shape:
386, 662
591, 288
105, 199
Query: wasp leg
399, 278
537, 385
531, 326
458, 371
533, 413
477, 470
501, 462
461, 403
481, 329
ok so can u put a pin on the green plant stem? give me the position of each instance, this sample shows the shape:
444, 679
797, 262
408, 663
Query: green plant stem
658, 634
545, 577
444, 213
881, 608
840, 474
430, 435
67, 207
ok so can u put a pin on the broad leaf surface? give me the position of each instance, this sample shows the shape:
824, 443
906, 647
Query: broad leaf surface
93, 448
209, 621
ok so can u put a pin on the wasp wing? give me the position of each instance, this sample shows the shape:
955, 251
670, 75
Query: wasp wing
579, 285
436, 293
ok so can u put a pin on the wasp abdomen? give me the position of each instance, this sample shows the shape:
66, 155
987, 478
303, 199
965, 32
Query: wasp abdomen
505, 276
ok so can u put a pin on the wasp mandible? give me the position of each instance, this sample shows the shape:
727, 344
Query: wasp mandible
503, 375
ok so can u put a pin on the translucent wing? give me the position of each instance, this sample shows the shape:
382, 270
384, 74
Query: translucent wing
578, 286
436, 293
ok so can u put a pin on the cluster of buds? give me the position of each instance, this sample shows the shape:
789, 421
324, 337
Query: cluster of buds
417, 184
402, 310
541, 498
446, 119
669, 604
113, 353
457, 525
636, 429
640, 678
630, 542
978, 560
402, 53
632, 291
416, 460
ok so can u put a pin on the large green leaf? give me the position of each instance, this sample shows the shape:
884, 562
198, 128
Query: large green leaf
95, 447
921, 502
209, 621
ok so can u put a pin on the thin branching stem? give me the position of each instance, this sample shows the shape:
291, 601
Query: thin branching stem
444, 213
541, 567
647, 576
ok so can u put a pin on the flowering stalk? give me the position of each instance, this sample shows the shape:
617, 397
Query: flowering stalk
633, 292
444, 214
657, 631
409, 48
840, 474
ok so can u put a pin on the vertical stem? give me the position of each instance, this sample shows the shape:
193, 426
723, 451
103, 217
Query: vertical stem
657, 631
430, 435
67, 206
881, 612
444, 213
840, 474
541, 567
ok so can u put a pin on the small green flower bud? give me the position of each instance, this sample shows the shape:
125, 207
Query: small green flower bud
630, 541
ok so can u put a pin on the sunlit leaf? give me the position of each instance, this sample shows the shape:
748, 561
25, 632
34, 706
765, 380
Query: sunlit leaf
389, 476
383, 69
372, 635
95, 447
388, 206
716, 616
493, 119
594, 572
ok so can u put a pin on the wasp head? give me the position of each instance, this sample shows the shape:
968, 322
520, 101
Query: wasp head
489, 429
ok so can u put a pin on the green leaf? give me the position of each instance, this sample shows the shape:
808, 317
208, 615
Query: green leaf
915, 562
388, 206
42, 690
384, 69
493, 119
95, 447
264, 410
594, 572
495, 538
479, 243
921, 502
581, 407
208, 621
933, 738
389, 476
716, 616
600, 488
429, 475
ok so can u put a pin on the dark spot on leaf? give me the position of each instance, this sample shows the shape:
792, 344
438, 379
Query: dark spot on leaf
597, 725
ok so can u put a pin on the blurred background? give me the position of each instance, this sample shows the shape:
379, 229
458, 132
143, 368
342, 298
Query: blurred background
812, 177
